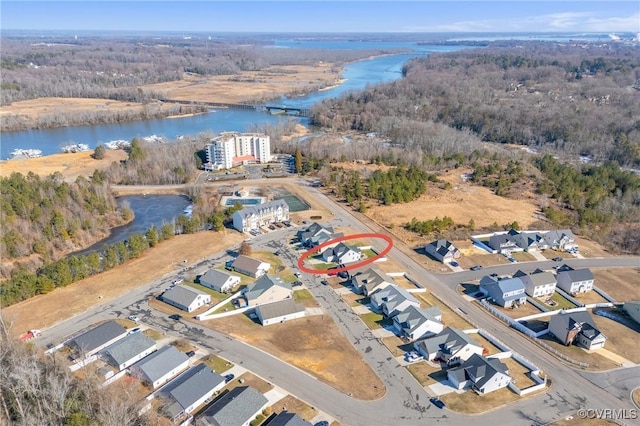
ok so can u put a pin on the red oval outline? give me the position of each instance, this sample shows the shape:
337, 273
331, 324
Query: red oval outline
356, 265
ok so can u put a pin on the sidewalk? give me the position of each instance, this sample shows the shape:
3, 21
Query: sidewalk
614, 357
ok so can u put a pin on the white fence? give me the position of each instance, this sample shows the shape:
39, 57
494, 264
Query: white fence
115, 377
78, 365
603, 294
569, 298
205, 315
225, 314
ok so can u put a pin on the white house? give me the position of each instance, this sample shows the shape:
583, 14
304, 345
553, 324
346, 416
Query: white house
442, 250
191, 389
539, 283
267, 289
253, 217
576, 327
483, 375
186, 298
129, 350
281, 311
219, 280
342, 254
414, 322
161, 366
369, 280
575, 281
93, 341
249, 266
449, 345
238, 407
392, 300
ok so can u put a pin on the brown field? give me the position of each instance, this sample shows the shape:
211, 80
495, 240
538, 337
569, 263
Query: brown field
250, 379
471, 255
486, 344
65, 302
470, 402
619, 283
519, 373
449, 318
621, 340
596, 361
313, 344
522, 311
590, 248
396, 346
578, 421
635, 395
425, 374
70, 165
294, 405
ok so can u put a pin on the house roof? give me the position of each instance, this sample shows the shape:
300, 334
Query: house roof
263, 284
279, 309
392, 296
215, 276
568, 321
128, 347
193, 384
285, 418
341, 249
262, 209
479, 369
576, 275
98, 336
314, 229
161, 362
413, 317
503, 286
234, 408
370, 278
182, 295
542, 278
496, 241
448, 341
248, 264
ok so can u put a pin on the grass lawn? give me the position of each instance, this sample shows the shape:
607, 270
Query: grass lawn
375, 320
288, 276
636, 396
323, 266
152, 333
595, 360
353, 299
426, 374
244, 279
577, 421
562, 302
470, 402
216, 296
126, 323
305, 297
258, 420
183, 345
250, 379
369, 253
519, 312
619, 283
518, 373
622, 338
225, 308
449, 318
522, 256
217, 364
490, 347
396, 345
267, 256
294, 405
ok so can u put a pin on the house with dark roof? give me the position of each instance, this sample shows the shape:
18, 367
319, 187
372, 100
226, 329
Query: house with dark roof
527, 241
219, 280
442, 250
448, 346
506, 292
576, 327
190, 390
575, 281
267, 289
342, 254
562, 239
483, 375
93, 341
281, 311
128, 350
249, 266
238, 407
369, 280
538, 283
186, 298
391, 300
161, 366
284, 418
253, 217
503, 243
316, 234
415, 322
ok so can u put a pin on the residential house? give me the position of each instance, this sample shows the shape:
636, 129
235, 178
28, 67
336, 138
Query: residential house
238, 407
284, 418
503, 243
538, 283
93, 341
249, 266
267, 289
219, 280
253, 217
562, 239
281, 311
575, 281
442, 250
191, 389
506, 292
415, 322
129, 350
632, 308
231, 149
316, 234
369, 280
483, 375
342, 254
392, 300
576, 327
448, 346
161, 366
527, 241
186, 298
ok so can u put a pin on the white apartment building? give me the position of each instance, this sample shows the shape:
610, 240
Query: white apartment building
231, 149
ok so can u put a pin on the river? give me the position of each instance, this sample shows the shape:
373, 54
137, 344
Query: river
357, 76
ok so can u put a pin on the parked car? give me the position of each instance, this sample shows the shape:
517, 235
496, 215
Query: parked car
178, 281
558, 259
322, 423
454, 264
229, 377
343, 274
191, 353
134, 318
175, 317
438, 403
296, 284
511, 259
476, 268
134, 330
324, 282
493, 275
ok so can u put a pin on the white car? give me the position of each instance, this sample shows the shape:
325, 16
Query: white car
178, 281
134, 318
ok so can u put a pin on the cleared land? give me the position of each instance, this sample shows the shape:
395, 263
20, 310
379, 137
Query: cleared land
622, 339
294, 405
65, 302
449, 318
313, 344
619, 283
470, 402
519, 312
595, 360
426, 374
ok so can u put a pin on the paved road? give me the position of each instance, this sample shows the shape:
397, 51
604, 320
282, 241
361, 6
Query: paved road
405, 402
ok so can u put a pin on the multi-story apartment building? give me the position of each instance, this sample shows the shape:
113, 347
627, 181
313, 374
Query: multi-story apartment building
231, 149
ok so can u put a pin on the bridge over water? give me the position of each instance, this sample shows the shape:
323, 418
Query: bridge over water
271, 109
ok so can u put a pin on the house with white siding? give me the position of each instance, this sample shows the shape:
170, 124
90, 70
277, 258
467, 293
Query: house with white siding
415, 322
186, 298
483, 375
219, 280
129, 350
538, 283
253, 217
161, 366
391, 300
575, 281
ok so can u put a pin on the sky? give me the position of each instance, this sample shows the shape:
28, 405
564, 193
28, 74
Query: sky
324, 16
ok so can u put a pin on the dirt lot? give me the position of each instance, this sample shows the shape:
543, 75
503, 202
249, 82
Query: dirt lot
486, 344
621, 339
522, 311
313, 344
595, 360
70, 165
470, 402
577, 421
449, 318
294, 405
619, 283
65, 302
518, 373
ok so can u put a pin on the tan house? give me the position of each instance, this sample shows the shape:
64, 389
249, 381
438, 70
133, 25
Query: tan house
267, 289
249, 266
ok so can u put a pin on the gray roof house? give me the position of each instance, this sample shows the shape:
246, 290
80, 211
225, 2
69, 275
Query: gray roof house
392, 300
575, 281
253, 217
371, 279
442, 250
538, 283
249, 266
219, 280
93, 341
505, 292
527, 241
481, 374
503, 243
191, 389
449, 345
313, 230
161, 366
186, 298
576, 327
235, 408
342, 253
562, 239
267, 289
415, 322
284, 310
129, 350
284, 418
